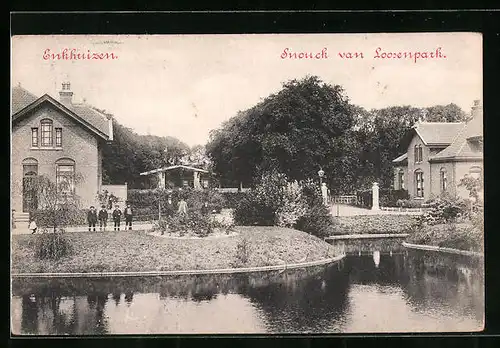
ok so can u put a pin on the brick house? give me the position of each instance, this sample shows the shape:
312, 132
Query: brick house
58, 139
439, 155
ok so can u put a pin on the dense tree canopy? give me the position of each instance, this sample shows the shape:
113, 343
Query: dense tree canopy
130, 154
307, 126
293, 131
310, 125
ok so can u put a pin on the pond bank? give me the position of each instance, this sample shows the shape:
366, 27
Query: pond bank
136, 251
186, 272
441, 249
458, 236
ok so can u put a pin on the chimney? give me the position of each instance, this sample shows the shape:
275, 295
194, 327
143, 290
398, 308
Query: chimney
110, 126
65, 95
477, 109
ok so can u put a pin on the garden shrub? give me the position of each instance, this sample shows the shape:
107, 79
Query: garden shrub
293, 206
390, 198
59, 217
194, 222
443, 210
409, 203
52, 246
274, 201
231, 199
253, 211
260, 205
242, 252
456, 236
146, 201
317, 219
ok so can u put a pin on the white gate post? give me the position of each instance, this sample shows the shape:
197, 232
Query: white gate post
375, 200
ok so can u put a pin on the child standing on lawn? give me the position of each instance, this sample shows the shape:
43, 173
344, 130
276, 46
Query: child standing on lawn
92, 218
103, 218
128, 216
117, 214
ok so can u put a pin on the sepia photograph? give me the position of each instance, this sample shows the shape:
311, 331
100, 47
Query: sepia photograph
247, 184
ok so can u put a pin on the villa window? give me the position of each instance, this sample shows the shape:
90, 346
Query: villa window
46, 128
443, 180
418, 153
419, 183
34, 137
401, 183
65, 176
58, 137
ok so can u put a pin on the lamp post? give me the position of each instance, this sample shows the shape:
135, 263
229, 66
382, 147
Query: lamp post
321, 174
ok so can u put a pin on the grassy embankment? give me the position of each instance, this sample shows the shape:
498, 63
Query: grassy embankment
137, 251
462, 236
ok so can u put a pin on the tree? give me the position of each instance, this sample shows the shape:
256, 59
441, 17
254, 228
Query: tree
129, 154
294, 131
445, 113
59, 206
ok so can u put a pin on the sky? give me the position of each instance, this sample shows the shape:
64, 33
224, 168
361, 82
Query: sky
186, 85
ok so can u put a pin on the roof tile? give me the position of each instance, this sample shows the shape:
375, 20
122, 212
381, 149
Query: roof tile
438, 132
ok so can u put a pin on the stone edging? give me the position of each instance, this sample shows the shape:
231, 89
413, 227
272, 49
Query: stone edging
367, 236
186, 272
442, 249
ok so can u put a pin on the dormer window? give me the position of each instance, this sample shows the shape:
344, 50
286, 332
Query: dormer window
46, 128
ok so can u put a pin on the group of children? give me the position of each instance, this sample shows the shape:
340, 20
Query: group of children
102, 217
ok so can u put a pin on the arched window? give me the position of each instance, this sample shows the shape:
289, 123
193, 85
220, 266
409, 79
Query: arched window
443, 179
65, 175
419, 183
476, 172
30, 167
401, 179
46, 132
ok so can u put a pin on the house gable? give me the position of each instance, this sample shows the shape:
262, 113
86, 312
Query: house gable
94, 127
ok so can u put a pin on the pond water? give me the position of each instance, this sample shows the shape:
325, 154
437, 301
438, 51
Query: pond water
378, 292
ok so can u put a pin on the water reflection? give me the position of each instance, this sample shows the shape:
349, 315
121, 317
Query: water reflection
377, 292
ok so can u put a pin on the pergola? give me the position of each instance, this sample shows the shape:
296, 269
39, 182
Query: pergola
162, 174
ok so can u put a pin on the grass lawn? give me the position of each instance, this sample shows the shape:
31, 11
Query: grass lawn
374, 224
138, 251
462, 236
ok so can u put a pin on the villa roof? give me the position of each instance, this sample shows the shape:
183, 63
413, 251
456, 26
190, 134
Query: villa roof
23, 102
174, 167
400, 158
437, 133
21, 98
462, 146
